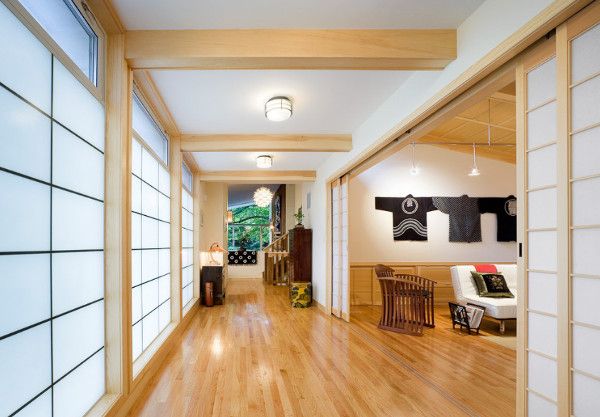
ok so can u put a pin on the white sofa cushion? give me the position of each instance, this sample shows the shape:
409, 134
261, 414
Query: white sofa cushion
466, 292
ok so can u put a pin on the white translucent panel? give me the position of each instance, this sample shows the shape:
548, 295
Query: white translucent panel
77, 279
586, 342
76, 165
149, 232
164, 180
136, 194
186, 200
24, 214
586, 401
136, 157
187, 219
586, 293
26, 64
149, 296
541, 84
77, 222
164, 208
542, 336
540, 407
541, 126
542, 208
149, 201
41, 407
187, 275
585, 245
186, 295
136, 267
149, 328
77, 335
542, 251
585, 104
149, 168
542, 292
186, 257
136, 304
585, 54
164, 288
585, 194
81, 389
24, 291
143, 123
149, 264
164, 235
25, 368
136, 340
136, 231
542, 375
585, 153
187, 238
76, 108
541, 169
164, 316
186, 177
24, 137
164, 261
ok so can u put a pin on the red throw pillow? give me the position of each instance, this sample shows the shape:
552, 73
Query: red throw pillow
486, 268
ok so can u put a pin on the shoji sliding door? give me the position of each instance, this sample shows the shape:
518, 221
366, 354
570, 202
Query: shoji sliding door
51, 232
187, 238
340, 306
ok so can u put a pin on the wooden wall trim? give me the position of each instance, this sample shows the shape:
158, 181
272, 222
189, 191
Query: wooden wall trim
175, 159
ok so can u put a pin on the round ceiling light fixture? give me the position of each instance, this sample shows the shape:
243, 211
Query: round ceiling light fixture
263, 197
278, 109
264, 161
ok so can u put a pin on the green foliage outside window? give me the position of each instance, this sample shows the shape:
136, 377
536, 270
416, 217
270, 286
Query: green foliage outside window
249, 223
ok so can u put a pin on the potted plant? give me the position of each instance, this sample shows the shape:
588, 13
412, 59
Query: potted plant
299, 215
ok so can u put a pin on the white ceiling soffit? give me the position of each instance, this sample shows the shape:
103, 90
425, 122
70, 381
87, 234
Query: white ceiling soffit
246, 161
233, 101
243, 194
306, 14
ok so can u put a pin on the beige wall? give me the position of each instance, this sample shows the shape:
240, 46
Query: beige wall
442, 173
214, 215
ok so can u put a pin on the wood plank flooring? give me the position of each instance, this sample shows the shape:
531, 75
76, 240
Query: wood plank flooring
256, 356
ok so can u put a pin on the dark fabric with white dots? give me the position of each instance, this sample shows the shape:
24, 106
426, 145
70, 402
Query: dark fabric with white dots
239, 257
465, 220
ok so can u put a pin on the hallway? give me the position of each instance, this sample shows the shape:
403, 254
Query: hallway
246, 359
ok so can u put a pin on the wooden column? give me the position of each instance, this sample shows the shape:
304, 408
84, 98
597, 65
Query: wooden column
175, 172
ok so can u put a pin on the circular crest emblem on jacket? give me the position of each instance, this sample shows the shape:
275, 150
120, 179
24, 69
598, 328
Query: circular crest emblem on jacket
410, 205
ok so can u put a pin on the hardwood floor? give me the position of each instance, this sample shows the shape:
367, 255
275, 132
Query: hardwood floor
256, 356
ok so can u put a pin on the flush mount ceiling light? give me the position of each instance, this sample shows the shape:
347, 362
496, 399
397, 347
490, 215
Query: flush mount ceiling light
264, 161
278, 109
263, 197
474, 170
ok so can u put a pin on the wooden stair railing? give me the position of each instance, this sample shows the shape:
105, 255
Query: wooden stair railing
276, 261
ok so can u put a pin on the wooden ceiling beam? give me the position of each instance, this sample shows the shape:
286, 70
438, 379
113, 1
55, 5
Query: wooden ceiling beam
405, 49
258, 176
267, 143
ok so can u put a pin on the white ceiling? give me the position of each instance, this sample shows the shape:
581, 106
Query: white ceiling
242, 194
307, 14
245, 161
233, 101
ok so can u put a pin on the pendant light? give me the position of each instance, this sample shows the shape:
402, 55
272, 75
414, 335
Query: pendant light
474, 170
263, 197
413, 169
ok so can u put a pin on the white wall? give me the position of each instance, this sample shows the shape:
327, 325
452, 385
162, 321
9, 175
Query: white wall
441, 173
248, 271
492, 22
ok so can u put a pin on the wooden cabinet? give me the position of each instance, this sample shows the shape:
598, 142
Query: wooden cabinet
300, 257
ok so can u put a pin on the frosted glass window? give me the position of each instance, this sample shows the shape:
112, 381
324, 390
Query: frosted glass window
585, 244
26, 64
164, 208
80, 390
136, 231
149, 201
72, 155
136, 304
542, 375
136, 340
24, 137
541, 126
164, 235
585, 153
186, 177
149, 328
187, 244
164, 288
585, 194
542, 208
24, 214
149, 232
585, 104
25, 369
77, 279
149, 264
164, 180
542, 292
540, 407
77, 222
149, 296
164, 261
542, 167
29, 277
542, 334
136, 267
542, 250
42, 406
136, 194
585, 54
76, 336
586, 401
148, 129
149, 168
136, 158
585, 350
76, 108
541, 84
164, 316
585, 300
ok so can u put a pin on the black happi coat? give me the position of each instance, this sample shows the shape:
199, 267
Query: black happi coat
410, 215
465, 220
505, 209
